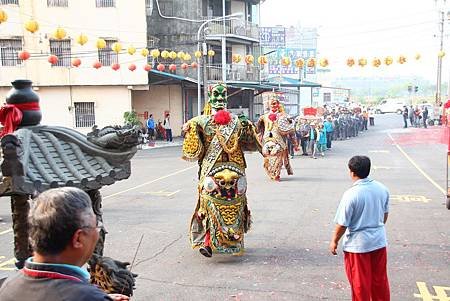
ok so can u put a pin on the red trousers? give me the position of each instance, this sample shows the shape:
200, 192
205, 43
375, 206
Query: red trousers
367, 274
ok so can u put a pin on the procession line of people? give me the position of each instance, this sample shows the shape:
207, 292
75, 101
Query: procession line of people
315, 135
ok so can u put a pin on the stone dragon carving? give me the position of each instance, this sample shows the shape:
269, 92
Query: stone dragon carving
115, 137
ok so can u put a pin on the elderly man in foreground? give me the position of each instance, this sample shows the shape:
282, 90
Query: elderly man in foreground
63, 234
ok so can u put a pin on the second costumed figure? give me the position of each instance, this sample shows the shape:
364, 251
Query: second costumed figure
277, 131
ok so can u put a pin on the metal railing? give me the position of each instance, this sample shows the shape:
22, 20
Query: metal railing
4, 2
246, 73
105, 3
57, 3
84, 114
9, 49
234, 27
107, 56
61, 48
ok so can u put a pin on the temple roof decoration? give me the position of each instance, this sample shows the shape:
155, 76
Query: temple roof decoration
37, 158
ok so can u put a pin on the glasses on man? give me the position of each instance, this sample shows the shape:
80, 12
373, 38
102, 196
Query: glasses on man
99, 226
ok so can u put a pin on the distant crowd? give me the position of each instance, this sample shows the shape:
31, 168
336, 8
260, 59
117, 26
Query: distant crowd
417, 116
315, 134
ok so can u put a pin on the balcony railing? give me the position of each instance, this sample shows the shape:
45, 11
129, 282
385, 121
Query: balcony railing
234, 72
234, 27
247, 73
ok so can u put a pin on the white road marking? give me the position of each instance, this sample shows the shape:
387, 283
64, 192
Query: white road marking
149, 182
6, 231
381, 167
4, 265
162, 193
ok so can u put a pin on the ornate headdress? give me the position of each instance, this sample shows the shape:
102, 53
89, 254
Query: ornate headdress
274, 96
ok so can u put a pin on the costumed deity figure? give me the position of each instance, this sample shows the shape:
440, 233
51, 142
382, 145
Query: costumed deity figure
276, 130
217, 140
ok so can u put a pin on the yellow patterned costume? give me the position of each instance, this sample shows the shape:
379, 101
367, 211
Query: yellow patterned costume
276, 128
221, 216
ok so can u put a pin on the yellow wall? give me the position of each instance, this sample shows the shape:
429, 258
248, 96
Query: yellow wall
157, 100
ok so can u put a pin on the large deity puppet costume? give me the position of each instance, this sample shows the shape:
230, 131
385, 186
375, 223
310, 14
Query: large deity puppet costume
275, 129
217, 140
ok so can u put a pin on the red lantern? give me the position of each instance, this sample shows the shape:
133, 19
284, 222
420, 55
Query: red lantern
147, 67
184, 66
97, 64
76, 62
132, 67
115, 66
24, 55
52, 59
161, 67
194, 65
172, 67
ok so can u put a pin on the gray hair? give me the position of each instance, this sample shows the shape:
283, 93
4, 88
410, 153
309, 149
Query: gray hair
55, 216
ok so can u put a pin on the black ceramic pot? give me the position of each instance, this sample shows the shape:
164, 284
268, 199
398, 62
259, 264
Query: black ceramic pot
22, 93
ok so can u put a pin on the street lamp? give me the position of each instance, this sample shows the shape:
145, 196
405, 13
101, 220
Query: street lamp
440, 6
448, 67
222, 18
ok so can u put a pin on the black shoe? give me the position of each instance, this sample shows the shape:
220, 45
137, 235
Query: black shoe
206, 251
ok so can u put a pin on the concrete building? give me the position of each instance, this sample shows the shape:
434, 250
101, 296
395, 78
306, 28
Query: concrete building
76, 97
176, 24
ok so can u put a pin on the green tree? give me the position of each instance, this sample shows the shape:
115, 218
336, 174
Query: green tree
131, 118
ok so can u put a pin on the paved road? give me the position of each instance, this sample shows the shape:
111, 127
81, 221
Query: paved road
287, 250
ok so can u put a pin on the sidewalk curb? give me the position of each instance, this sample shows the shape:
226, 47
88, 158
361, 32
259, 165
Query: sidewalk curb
156, 146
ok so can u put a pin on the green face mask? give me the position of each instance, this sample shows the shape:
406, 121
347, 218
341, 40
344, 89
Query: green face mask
217, 96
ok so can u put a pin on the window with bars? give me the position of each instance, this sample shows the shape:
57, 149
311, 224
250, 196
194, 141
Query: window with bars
61, 48
9, 48
105, 3
58, 3
84, 114
106, 56
9, 2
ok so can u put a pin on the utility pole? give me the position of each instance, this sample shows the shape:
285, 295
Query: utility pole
300, 70
224, 44
441, 48
448, 63
410, 88
205, 70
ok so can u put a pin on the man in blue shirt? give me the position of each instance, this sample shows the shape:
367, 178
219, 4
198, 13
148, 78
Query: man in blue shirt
151, 127
360, 218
